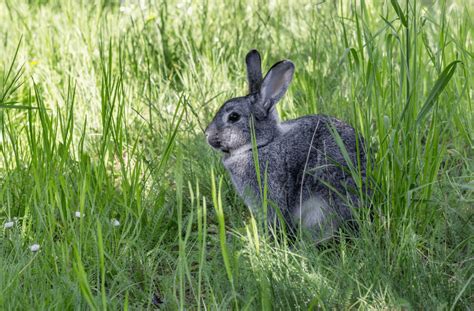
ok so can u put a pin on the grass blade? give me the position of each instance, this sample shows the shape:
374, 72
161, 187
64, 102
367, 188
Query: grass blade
400, 13
439, 86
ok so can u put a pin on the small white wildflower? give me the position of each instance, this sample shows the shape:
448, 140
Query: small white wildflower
8, 225
34, 247
115, 222
189, 11
271, 5
126, 10
78, 214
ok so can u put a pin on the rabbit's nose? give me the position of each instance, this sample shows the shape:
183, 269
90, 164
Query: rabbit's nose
209, 131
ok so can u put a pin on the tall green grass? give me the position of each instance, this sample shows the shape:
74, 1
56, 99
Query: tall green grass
102, 108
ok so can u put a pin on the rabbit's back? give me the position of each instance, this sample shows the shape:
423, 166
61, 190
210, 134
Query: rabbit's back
303, 165
316, 167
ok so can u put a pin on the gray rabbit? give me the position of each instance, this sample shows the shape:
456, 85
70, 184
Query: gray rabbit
308, 178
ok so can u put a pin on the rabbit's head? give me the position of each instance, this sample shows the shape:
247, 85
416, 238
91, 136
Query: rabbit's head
230, 131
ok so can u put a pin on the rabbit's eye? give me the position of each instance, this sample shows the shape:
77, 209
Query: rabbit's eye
234, 117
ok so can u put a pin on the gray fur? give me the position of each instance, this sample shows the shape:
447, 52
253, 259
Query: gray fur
301, 155
254, 71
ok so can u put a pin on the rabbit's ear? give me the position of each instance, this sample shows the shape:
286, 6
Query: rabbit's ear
276, 83
254, 70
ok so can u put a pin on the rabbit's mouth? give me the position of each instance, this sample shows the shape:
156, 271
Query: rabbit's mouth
216, 144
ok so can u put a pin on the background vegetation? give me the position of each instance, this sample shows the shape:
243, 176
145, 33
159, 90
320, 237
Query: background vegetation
102, 107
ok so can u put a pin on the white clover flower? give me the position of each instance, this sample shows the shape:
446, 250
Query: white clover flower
34, 247
78, 214
8, 225
115, 222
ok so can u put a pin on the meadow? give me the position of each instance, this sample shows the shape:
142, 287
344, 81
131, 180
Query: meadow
104, 164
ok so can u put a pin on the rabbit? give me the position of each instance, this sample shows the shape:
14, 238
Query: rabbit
307, 177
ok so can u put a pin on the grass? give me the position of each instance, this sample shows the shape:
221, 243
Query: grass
102, 107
